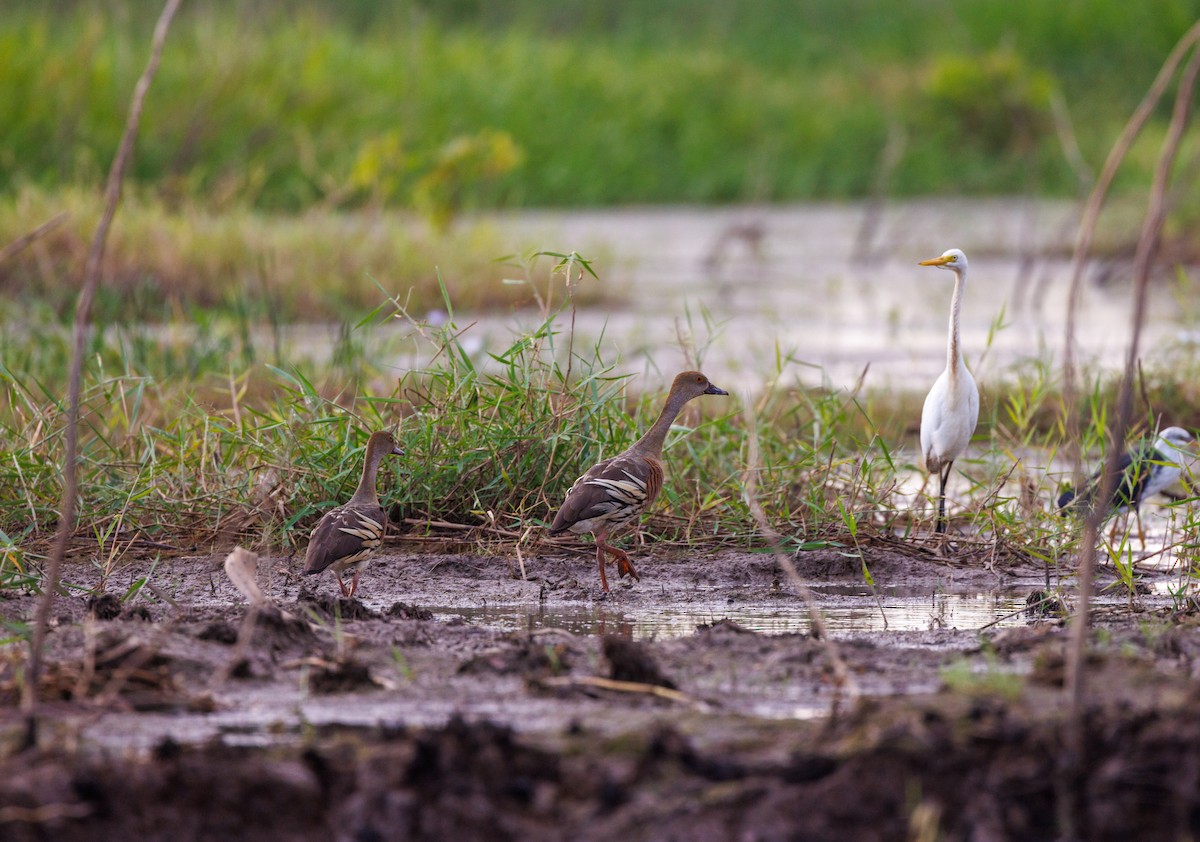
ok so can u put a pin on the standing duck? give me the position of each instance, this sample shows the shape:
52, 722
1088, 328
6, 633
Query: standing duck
1144, 470
951, 408
617, 490
348, 535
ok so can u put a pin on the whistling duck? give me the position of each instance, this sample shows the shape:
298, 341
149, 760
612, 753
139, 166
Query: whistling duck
618, 490
348, 535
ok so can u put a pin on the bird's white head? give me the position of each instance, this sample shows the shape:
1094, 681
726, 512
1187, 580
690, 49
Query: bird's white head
952, 259
1176, 437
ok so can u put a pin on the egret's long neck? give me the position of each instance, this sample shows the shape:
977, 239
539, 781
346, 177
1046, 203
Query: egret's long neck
651, 444
953, 355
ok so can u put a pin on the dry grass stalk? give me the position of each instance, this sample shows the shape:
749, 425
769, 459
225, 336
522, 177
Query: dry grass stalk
1148, 241
83, 311
844, 682
26, 240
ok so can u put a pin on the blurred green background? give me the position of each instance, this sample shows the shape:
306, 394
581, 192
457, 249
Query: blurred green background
446, 105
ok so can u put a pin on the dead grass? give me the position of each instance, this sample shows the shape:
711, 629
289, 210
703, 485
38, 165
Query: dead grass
322, 264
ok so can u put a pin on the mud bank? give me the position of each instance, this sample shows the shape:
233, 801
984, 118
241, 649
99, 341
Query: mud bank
534, 708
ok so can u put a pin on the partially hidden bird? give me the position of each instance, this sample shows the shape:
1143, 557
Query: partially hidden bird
1149, 467
347, 537
951, 408
617, 490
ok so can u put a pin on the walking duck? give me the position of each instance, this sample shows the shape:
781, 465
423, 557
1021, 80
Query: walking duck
347, 537
617, 490
1147, 468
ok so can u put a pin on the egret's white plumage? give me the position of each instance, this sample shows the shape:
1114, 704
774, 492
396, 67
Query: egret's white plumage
951, 408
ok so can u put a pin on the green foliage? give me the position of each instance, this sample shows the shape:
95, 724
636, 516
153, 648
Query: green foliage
450, 106
197, 440
995, 100
992, 681
197, 434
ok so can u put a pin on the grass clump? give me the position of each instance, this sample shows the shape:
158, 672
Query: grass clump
196, 439
209, 440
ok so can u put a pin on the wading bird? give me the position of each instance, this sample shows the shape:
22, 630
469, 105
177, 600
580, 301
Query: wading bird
618, 490
951, 408
348, 535
1144, 470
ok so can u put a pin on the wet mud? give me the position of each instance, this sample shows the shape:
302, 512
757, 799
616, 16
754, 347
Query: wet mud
452, 698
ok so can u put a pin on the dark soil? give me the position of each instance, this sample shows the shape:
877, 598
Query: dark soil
413, 712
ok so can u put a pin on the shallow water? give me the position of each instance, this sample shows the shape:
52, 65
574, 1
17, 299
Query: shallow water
743, 288
799, 281
846, 609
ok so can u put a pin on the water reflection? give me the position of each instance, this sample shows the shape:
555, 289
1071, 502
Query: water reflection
847, 610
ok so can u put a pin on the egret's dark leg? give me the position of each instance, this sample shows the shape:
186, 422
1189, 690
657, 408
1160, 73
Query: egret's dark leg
1137, 513
943, 478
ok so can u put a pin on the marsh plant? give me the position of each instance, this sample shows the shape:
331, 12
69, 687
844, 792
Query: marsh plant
212, 432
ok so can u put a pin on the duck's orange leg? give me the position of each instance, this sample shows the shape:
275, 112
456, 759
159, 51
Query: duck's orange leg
600, 560
624, 565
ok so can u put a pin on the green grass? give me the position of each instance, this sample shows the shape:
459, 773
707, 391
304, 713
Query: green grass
202, 435
450, 105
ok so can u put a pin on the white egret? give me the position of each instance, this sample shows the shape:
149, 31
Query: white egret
1146, 469
951, 408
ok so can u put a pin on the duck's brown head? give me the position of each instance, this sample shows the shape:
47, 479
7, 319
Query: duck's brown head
693, 384
381, 444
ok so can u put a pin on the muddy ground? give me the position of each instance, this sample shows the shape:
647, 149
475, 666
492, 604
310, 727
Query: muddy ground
454, 699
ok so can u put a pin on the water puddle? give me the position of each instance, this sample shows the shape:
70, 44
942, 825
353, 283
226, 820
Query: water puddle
847, 610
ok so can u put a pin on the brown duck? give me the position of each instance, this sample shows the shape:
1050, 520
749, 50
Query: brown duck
348, 535
618, 490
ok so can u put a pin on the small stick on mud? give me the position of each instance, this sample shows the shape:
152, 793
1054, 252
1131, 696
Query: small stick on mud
45, 814
843, 680
520, 557
1033, 606
462, 527
600, 683
83, 314
241, 566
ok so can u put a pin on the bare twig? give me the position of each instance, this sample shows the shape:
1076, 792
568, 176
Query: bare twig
1143, 258
45, 813
889, 158
843, 680
1065, 130
29, 238
637, 687
83, 312
464, 527
1087, 226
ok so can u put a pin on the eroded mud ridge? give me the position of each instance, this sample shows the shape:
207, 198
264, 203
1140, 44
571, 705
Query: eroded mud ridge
458, 700
974, 768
